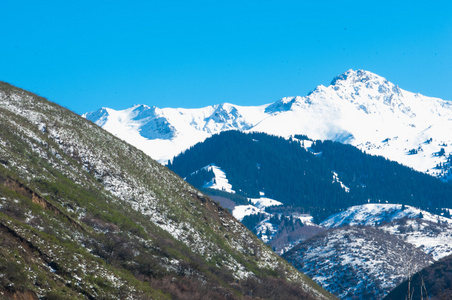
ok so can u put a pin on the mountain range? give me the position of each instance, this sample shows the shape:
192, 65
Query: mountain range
86, 215
359, 108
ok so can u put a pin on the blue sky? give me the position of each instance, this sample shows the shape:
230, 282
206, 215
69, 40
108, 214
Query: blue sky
89, 54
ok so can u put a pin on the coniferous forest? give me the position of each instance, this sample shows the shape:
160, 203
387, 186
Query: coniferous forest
305, 178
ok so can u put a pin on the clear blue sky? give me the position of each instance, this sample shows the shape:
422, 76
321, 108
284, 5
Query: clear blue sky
88, 54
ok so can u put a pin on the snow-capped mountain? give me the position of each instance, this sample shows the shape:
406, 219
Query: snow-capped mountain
164, 133
359, 108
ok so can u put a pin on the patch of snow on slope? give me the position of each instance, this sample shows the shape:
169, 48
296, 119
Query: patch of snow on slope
374, 214
265, 230
258, 206
263, 202
431, 237
343, 186
241, 211
306, 219
220, 182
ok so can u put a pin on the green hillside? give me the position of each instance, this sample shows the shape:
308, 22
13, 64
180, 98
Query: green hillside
84, 215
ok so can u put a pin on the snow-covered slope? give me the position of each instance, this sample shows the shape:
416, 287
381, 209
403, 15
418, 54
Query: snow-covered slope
432, 238
220, 181
372, 248
429, 232
357, 262
375, 214
164, 133
359, 108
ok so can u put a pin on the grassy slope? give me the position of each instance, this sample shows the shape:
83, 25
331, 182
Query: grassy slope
85, 215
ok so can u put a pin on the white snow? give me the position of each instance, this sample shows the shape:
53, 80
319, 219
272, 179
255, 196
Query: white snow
336, 179
241, 211
263, 202
258, 206
371, 214
431, 233
265, 230
432, 238
306, 219
220, 182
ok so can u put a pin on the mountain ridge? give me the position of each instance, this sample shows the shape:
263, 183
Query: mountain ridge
358, 108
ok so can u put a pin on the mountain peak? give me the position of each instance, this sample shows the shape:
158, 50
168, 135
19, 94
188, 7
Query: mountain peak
99, 116
367, 90
140, 106
354, 76
142, 111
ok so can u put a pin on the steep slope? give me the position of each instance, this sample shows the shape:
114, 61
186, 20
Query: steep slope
358, 108
85, 215
432, 282
357, 262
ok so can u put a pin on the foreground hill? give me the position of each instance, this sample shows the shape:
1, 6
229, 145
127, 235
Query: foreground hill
85, 215
358, 108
